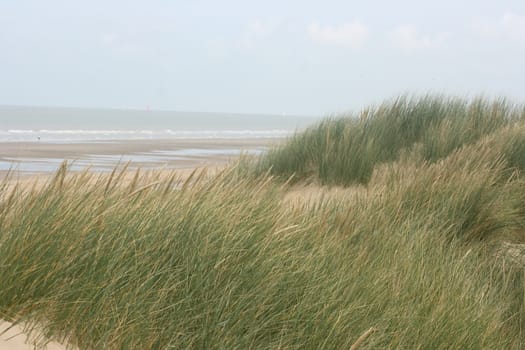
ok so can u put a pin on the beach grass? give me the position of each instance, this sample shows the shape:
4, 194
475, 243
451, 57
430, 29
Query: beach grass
345, 149
405, 238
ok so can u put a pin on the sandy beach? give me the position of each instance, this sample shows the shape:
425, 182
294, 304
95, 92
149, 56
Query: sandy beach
41, 157
63, 150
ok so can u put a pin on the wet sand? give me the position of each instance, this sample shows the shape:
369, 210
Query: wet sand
62, 150
42, 157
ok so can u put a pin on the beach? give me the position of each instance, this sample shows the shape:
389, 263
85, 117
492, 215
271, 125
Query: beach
30, 158
36, 140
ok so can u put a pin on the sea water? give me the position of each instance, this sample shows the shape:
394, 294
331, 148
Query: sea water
48, 124
77, 125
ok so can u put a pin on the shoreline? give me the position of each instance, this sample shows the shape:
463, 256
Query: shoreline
28, 158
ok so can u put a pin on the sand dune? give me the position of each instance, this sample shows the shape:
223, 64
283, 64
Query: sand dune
16, 339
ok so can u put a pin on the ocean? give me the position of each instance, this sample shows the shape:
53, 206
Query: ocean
39, 139
49, 124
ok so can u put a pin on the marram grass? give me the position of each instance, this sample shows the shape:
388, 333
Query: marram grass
344, 150
427, 254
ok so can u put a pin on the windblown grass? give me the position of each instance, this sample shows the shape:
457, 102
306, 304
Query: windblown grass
427, 253
344, 150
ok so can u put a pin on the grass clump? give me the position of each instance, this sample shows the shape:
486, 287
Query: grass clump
344, 150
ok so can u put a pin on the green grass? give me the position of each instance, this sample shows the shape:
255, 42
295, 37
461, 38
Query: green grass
425, 244
345, 150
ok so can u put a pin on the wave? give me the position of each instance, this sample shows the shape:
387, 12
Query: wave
116, 134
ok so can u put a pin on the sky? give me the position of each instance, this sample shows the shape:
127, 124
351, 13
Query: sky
275, 56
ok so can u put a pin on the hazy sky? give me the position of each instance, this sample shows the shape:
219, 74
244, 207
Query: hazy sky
272, 56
